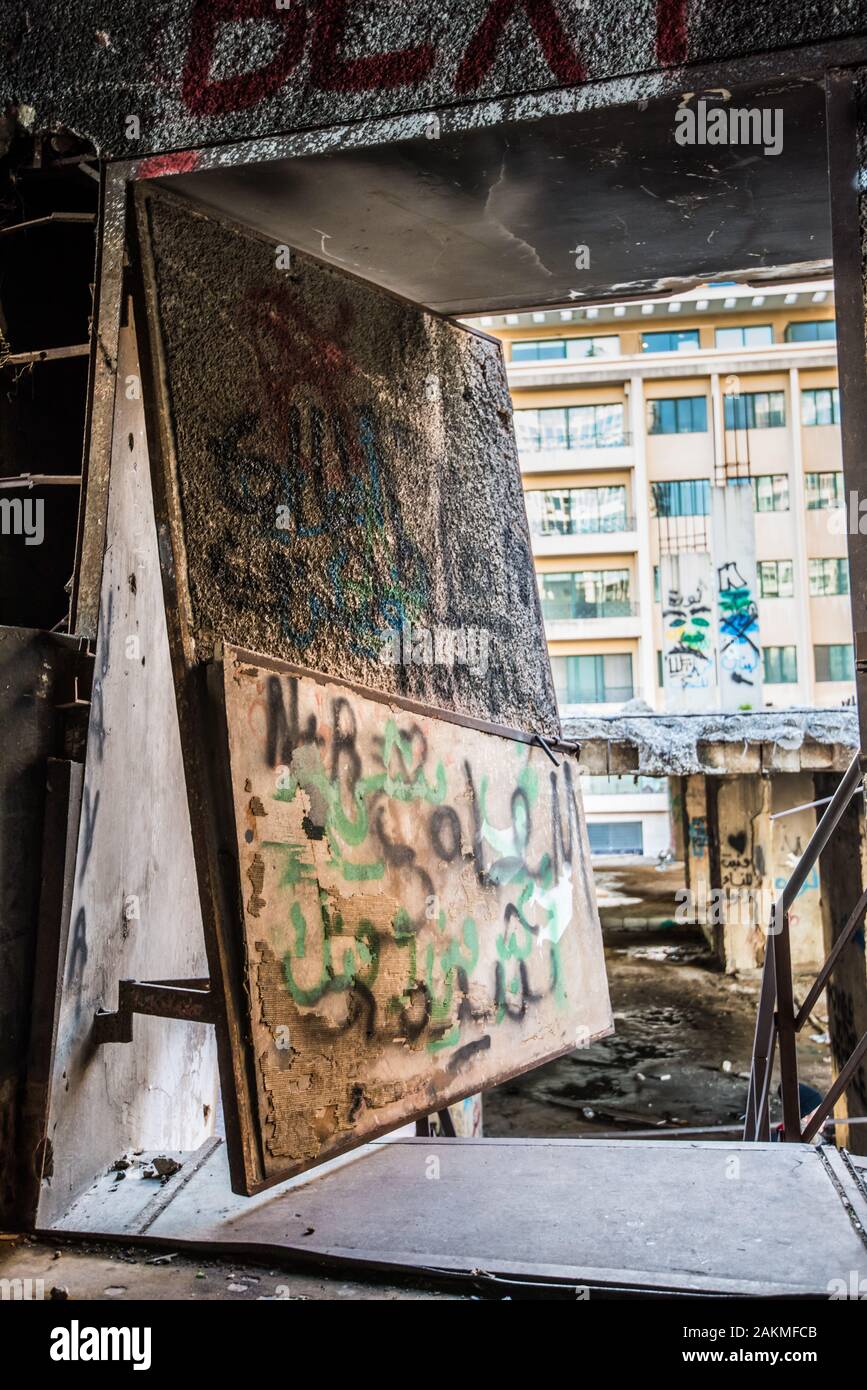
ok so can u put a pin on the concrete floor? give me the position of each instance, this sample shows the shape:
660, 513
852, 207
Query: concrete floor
94, 1271
678, 1021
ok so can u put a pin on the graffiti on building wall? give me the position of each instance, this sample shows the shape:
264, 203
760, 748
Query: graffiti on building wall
698, 836
733, 533
418, 912
739, 626
688, 654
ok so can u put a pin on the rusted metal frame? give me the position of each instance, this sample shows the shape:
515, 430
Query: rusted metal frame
190, 1000
845, 936
99, 417
58, 354
83, 218
777, 983
32, 480
757, 1125
823, 1110
785, 1028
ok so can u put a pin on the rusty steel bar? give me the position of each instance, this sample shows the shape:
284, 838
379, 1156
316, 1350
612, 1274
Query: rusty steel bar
757, 1125
189, 1000
786, 1035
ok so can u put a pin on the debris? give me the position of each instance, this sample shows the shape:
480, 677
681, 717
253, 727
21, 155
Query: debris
163, 1259
823, 1038
726, 1066
58, 1292
236, 1288
166, 1167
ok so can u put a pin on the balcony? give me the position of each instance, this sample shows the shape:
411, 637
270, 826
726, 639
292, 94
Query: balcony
611, 538
609, 618
594, 457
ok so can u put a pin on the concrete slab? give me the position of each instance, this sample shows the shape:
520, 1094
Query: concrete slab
739, 1219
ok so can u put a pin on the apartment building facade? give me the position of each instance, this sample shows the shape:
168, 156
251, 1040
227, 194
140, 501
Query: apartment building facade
630, 419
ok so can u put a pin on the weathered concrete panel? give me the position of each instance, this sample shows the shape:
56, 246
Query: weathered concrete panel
196, 72
135, 911
346, 469
419, 919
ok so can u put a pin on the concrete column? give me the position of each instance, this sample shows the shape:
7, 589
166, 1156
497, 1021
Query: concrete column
696, 853
644, 567
741, 836
798, 509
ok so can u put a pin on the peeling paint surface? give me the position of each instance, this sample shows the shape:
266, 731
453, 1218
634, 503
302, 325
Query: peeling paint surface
418, 914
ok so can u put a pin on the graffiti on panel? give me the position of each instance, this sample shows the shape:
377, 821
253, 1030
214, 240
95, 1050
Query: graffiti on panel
418, 908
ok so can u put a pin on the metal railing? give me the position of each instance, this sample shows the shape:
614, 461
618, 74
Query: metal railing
777, 1022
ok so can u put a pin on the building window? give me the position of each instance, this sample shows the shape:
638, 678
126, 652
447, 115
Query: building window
615, 837
780, 665
828, 577
630, 784
687, 497
835, 663
683, 340
682, 415
751, 335
576, 511
657, 584
585, 594
821, 407
824, 490
660, 675
776, 579
593, 680
771, 492
565, 349
570, 427
812, 331
757, 410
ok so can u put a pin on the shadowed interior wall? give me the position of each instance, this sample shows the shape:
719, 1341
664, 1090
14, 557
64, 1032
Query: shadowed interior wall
346, 468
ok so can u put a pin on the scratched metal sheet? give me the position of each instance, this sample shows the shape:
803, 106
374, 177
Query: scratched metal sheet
419, 919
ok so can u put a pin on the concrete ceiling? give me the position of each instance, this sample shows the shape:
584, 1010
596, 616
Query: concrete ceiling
488, 219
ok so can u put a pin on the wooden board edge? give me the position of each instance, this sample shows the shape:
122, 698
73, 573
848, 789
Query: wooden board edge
384, 697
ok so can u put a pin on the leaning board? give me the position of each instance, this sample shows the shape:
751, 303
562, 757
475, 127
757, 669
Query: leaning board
418, 916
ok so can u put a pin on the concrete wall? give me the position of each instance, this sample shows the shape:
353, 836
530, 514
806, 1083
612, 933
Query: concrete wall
346, 470
199, 73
